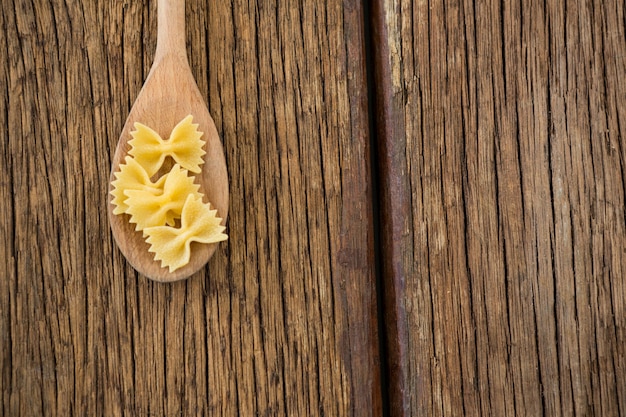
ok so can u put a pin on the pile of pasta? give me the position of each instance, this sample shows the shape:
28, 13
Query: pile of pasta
169, 211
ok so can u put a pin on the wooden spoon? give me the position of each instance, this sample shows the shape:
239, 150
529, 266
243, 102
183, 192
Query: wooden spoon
168, 95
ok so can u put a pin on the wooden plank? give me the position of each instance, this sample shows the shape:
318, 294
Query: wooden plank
501, 144
283, 319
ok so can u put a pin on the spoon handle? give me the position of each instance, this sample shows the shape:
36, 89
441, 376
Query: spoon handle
171, 29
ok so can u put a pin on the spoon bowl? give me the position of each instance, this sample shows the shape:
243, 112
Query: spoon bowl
169, 94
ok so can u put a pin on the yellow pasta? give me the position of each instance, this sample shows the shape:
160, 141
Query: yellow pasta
132, 176
155, 207
147, 209
184, 146
198, 223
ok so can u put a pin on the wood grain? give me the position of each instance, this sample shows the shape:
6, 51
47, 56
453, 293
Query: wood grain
282, 321
501, 156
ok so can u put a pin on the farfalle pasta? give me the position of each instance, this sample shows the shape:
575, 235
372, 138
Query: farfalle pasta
198, 223
169, 209
147, 209
184, 146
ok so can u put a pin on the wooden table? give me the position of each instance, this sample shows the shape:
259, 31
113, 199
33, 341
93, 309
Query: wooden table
427, 212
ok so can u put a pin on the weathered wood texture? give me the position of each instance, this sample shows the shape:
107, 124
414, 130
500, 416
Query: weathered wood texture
502, 166
283, 319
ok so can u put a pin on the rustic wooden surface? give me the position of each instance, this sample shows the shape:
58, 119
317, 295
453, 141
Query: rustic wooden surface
500, 130
283, 321
502, 165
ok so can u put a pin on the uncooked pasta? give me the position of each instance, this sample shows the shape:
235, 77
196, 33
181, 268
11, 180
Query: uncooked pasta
168, 210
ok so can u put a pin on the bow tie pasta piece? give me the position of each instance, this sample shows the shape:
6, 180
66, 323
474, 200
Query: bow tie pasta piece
148, 210
172, 246
132, 176
184, 146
